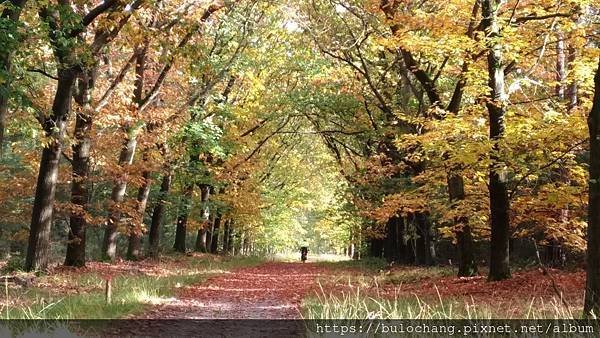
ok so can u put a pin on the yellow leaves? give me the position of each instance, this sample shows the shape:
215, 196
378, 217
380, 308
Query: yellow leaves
556, 210
400, 204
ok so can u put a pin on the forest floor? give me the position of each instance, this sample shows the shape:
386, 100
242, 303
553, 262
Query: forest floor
273, 290
436, 293
213, 287
284, 290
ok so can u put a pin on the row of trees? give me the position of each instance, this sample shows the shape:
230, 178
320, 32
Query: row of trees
469, 123
379, 125
161, 113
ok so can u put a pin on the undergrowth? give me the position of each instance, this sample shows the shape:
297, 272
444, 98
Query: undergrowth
131, 292
356, 304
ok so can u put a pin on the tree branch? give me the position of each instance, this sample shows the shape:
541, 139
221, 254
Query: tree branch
169, 63
43, 72
96, 11
105, 98
532, 17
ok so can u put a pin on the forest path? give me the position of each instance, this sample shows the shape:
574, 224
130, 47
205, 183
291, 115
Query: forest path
272, 290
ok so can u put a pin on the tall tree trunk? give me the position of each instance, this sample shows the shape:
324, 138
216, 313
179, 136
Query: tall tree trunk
424, 240
135, 235
561, 71
12, 13
406, 250
376, 247
467, 266
226, 232
214, 242
202, 232
242, 243
572, 87
238, 247
136, 229
209, 231
231, 238
391, 250
109, 244
496, 106
357, 245
182, 219
109, 248
80, 170
553, 249
82, 139
134, 249
592, 290
38, 250
157, 215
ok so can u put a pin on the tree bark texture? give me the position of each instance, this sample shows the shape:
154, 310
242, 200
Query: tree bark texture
496, 106
592, 290
38, 250
157, 216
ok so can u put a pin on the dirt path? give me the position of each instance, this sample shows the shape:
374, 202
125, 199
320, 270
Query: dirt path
269, 291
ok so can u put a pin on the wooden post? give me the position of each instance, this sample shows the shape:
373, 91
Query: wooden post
108, 290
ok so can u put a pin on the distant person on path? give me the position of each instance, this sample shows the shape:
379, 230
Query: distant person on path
303, 251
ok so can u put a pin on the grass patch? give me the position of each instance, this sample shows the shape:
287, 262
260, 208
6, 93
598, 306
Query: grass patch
415, 274
367, 264
132, 292
356, 305
374, 272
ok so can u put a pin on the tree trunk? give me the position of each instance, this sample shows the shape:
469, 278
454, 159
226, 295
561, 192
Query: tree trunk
238, 247
209, 231
202, 232
391, 250
157, 216
496, 106
467, 266
180, 233
181, 230
423, 242
109, 245
572, 87
201, 240
38, 250
12, 13
109, 248
226, 232
243, 244
80, 194
357, 245
214, 242
411, 251
407, 254
376, 247
554, 253
592, 291
134, 249
231, 239
561, 72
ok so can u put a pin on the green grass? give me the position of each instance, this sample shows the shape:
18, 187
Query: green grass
132, 293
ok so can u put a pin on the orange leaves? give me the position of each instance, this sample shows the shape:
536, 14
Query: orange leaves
400, 204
